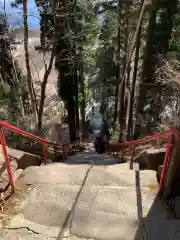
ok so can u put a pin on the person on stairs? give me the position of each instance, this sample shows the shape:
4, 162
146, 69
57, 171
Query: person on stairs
103, 139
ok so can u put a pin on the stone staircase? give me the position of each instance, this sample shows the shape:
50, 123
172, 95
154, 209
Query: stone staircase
84, 201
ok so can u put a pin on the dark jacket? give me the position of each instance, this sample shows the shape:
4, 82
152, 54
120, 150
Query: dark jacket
104, 134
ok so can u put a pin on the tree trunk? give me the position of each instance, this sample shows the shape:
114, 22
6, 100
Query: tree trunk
121, 110
148, 63
131, 48
131, 99
28, 69
64, 63
169, 9
77, 98
71, 119
43, 89
123, 85
118, 62
130, 109
83, 101
116, 99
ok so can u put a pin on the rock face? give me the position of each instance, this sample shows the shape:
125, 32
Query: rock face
4, 180
150, 158
18, 160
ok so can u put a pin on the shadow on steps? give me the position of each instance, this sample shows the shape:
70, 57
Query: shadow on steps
92, 158
158, 223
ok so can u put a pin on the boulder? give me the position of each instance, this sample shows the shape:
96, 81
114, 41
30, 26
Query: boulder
28, 160
4, 178
150, 158
24, 159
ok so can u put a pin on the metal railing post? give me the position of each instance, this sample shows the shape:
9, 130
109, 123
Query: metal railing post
55, 155
166, 160
122, 155
132, 157
6, 157
44, 153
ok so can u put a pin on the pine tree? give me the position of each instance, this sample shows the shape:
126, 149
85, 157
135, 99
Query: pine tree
10, 74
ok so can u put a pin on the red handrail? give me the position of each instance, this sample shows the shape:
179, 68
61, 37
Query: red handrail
24, 133
147, 139
170, 133
43, 141
13, 128
7, 162
166, 161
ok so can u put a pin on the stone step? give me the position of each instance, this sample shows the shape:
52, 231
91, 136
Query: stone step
104, 225
120, 174
93, 158
113, 175
89, 224
56, 173
56, 220
51, 208
98, 225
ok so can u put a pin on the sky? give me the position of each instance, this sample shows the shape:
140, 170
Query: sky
14, 15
